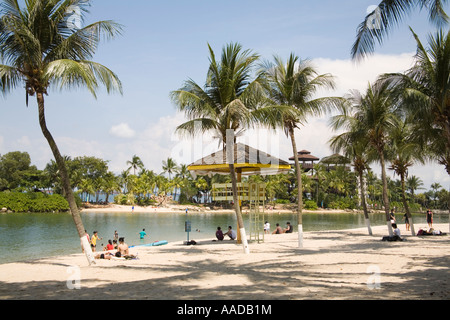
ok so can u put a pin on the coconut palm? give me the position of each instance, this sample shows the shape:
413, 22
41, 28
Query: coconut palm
414, 183
427, 93
372, 116
169, 166
425, 89
135, 163
389, 13
229, 102
294, 84
355, 146
41, 50
435, 187
405, 152
110, 185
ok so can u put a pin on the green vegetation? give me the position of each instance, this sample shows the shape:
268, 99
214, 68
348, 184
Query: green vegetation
334, 189
399, 121
33, 202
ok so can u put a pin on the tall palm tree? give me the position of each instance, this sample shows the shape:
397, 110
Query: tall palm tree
40, 49
435, 187
355, 146
169, 166
405, 152
294, 84
135, 163
414, 183
229, 102
372, 116
425, 89
389, 13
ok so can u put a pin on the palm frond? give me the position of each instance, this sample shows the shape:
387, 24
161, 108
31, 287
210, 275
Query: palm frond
388, 14
66, 73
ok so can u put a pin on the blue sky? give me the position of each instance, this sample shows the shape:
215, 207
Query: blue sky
165, 43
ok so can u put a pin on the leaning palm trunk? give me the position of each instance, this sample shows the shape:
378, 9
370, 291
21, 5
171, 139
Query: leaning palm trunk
385, 195
68, 194
299, 187
238, 209
363, 201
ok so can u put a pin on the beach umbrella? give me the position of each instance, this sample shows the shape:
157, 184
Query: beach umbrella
247, 161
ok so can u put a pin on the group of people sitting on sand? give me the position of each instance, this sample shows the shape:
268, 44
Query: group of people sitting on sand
122, 251
278, 229
232, 234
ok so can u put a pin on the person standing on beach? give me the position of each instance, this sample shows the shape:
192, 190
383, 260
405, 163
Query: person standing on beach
430, 218
406, 221
116, 235
267, 227
392, 216
142, 234
94, 240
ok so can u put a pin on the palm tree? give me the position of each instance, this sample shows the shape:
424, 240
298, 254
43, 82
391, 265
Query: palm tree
135, 163
414, 183
229, 102
86, 187
169, 166
435, 187
110, 185
404, 154
42, 50
372, 116
389, 13
292, 85
355, 146
425, 89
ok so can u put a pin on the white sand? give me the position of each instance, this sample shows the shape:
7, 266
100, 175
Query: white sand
332, 265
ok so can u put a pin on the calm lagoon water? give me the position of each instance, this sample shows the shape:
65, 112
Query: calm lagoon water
29, 236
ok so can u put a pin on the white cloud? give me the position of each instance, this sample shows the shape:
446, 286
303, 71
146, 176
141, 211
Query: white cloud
24, 142
356, 75
122, 130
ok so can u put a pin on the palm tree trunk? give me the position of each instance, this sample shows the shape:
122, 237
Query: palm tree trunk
299, 187
385, 193
363, 201
238, 209
405, 204
65, 182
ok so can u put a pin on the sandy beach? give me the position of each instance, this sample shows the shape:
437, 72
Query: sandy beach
116, 208
347, 264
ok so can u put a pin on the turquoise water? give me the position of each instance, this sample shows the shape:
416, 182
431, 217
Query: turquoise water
30, 236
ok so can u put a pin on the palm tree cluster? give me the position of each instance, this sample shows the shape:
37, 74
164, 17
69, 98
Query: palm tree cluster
242, 91
402, 119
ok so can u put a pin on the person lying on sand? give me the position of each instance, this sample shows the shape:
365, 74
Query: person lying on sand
106, 256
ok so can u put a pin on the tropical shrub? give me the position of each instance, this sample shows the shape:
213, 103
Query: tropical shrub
33, 202
310, 205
